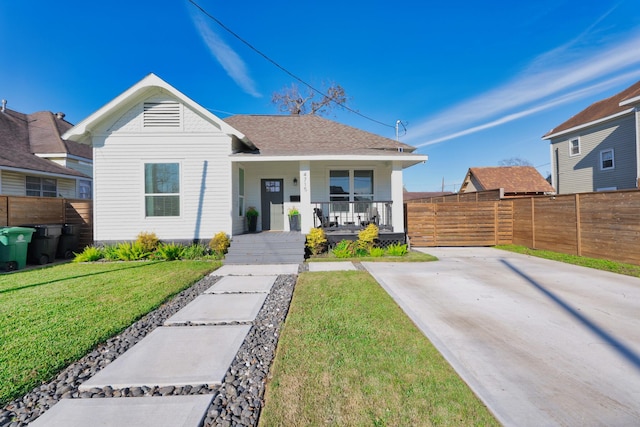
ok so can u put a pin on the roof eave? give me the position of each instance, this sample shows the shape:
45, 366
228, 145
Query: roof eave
79, 174
406, 160
634, 100
589, 124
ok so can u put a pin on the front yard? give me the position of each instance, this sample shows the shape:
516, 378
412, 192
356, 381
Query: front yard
53, 316
348, 355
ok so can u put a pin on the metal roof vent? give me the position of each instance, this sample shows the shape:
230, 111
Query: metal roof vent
4, 105
60, 115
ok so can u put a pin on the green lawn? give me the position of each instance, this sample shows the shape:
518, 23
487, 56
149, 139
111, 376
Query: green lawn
599, 264
348, 355
53, 316
411, 256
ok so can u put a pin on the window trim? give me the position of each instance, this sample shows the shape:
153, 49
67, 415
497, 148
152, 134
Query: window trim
179, 194
613, 160
41, 192
351, 197
571, 153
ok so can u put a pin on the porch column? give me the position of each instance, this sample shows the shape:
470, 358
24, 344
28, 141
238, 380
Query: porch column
397, 209
306, 210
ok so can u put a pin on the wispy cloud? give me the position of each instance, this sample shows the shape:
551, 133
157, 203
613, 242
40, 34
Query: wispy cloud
564, 74
226, 56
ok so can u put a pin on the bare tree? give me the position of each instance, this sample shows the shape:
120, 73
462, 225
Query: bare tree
514, 161
291, 100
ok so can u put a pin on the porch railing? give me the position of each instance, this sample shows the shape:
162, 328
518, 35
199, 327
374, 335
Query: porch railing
341, 215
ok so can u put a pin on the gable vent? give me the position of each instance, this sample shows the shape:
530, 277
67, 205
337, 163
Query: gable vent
161, 114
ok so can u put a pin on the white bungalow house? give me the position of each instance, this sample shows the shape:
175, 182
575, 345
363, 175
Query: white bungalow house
164, 164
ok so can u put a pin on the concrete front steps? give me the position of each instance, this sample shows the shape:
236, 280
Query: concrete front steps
266, 248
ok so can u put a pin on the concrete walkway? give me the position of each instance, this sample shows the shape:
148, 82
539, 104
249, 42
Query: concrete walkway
542, 343
176, 354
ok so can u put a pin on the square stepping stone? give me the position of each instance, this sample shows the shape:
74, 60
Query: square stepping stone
169, 411
331, 266
256, 270
211, 309
174, 356
236, 284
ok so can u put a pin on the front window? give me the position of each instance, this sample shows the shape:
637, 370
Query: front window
606, 159
574, 147
41, 187
162, 189
350, 186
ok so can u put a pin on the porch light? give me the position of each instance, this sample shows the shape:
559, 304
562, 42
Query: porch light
295, 182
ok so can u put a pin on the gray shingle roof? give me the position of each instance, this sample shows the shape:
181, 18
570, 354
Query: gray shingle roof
287, 135
24, 135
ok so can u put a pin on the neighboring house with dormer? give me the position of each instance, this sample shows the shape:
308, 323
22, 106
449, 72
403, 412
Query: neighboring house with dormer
598, 148
513, 181
36, 161
165, 164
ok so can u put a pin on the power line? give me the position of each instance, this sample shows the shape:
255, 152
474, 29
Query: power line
227, 29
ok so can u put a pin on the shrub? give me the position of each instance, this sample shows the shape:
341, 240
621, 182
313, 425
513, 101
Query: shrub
367, 238
169, 251
316, 241
345, 249
397, 249
196, 251
131, 251
89, 254
111, 253
220, 243
376, 252
148, 241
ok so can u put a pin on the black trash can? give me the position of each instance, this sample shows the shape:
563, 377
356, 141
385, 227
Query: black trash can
44, 243
68, 241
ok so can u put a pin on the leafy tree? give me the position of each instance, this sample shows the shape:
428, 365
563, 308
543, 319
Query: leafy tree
291, 100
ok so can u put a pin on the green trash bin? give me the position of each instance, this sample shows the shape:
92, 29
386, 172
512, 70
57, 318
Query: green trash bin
13, 247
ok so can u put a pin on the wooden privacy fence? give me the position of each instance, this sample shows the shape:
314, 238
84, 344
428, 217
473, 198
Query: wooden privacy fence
16, 210
600, 225
460, 224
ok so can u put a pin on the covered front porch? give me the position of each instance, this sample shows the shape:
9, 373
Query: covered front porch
340, 195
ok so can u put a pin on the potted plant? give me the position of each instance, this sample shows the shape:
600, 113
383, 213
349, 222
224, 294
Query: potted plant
252, 219
294, 219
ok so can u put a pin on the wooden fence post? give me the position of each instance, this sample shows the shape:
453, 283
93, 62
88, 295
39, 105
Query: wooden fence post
578, 227
495, 222
533, 223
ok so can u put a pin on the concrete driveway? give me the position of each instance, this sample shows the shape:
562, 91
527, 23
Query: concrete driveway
540, 342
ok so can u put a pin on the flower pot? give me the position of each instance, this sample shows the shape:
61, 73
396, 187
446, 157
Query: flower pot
294, 222
252, 223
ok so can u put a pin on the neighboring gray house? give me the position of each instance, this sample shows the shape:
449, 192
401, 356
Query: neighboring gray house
165, 164
598, 149
36, 161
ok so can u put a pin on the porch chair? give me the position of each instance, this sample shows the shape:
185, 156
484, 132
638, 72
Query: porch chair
371, 217
324, 220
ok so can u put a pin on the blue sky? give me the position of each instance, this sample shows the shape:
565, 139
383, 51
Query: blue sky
475, 82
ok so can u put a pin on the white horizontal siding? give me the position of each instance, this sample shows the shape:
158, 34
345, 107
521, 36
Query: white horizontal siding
14, 184
204, 187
